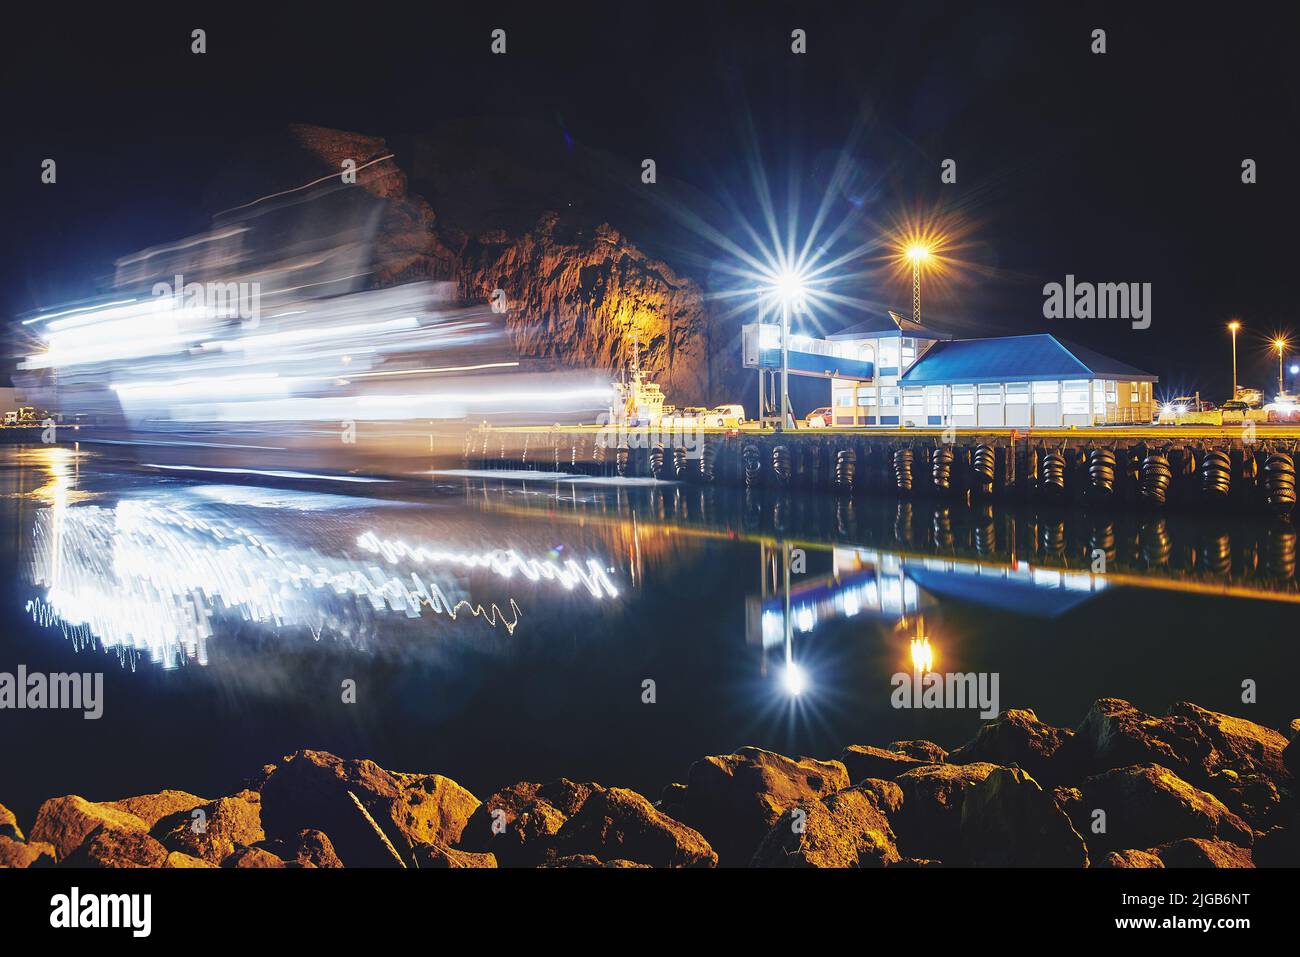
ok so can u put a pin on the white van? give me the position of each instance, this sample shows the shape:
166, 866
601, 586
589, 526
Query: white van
725, 417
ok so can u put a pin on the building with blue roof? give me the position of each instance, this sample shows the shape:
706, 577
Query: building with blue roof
921, 377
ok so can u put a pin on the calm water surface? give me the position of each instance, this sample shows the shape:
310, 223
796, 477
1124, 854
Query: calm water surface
499, 630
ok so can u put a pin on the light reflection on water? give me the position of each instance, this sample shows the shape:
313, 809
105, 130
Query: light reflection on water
502, 630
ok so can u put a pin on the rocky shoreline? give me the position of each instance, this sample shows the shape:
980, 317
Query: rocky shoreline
1192, 788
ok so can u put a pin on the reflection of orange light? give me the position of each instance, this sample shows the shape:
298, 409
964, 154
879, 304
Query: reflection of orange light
922, 655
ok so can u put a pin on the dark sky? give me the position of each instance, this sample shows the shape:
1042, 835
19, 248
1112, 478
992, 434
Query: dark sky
1117, 168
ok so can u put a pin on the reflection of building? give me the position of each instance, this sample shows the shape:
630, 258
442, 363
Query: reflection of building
892, 371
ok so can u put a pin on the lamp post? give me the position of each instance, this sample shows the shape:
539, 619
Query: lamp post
1233, 327
789, 288
1281, 350
918, 254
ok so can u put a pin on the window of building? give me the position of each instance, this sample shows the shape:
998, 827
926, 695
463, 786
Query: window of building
889, 396
889, 354
1017, 393
846, 398
1074, 397
1112, 392
867, 398
909, 351
1045, 392
963, 400
934, 400
990, 393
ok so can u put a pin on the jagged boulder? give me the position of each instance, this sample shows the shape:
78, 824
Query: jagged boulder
1130, 859
67, 822
310, 848
23, 854
1017, 737
109, 846
9, 825
374, 817
1244, 746
734, 800
1146, 805
253, 858
927, 752
864, 761
213, 836
1115, 734
1202, 852
151, 808
889, 796
929, 823
615, 823
1007, 820
518, 824
845, 829
176, 859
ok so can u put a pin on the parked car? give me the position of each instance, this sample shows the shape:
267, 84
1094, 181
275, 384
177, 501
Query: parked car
818, 418
1234, 407
725, 416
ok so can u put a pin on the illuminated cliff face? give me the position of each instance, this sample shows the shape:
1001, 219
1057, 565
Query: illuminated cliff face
576, 295
583, 299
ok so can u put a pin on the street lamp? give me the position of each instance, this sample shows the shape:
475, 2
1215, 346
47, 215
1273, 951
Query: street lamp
788, 286
1233, 327
1281, 349
918, 254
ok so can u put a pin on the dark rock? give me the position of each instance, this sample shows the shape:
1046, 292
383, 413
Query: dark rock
19, 854
889, 796
439, 856
151, 808
9, 825
927, 752
67, 822
1017, 737
110, 846
253, 857
1202, 852
1114, 734
735, 799
917, 862
373, 817
1130, 859
1243, 746
616, 823
1291, 757
225, 824
1146, 805
864, 761
844, 829
309, 849
929, 823
672, 799
176, 859
1293, 729
518, 824
1007, 820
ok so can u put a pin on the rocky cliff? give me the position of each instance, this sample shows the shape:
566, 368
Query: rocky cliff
520, 210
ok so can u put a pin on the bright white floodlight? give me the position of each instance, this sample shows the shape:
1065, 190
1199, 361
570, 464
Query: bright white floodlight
788, 287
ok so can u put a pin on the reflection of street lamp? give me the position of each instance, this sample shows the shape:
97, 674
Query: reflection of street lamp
1233, 327
1281, 349
918, 254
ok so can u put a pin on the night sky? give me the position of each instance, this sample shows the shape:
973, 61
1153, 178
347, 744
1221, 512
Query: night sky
1123, 167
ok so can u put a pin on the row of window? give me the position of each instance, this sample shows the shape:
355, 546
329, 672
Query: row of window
1075, 396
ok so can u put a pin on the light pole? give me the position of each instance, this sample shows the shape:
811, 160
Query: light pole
918, 254
789, 288
1233, 327
1281, 349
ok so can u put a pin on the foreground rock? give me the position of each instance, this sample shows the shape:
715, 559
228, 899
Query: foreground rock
439, 856
734, 800
22, 854
222, 826
117, 847
1016, 737
864, 761
1131, 859
519, 824
152, 808
1202, 852
1007, 820
615, 823
9, 825
844, 829
67, 822
1115, 734
929, 823
374, 817
1146, 805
